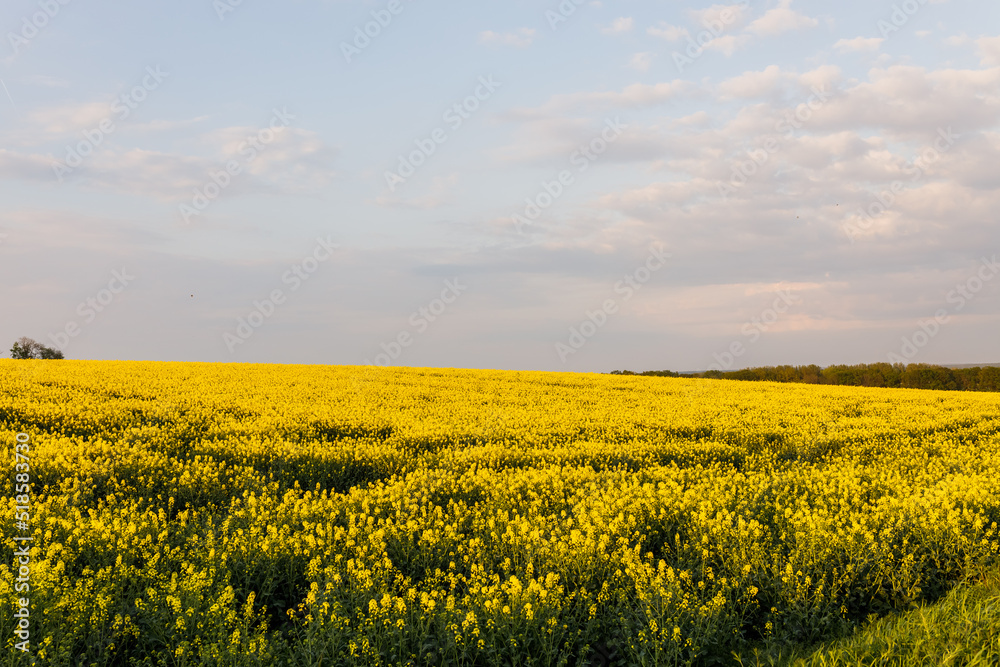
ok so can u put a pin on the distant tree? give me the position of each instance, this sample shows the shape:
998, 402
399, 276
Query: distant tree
811, 374
925, 376
914, 376
50, 353
666, 374
989, 379
28, 348
22, 349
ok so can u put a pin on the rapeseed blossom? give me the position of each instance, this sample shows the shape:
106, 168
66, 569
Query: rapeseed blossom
235, 514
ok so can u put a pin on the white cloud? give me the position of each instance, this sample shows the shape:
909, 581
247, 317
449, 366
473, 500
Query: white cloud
167, 125
989, 51
780, 20
162, 176
697, 118
26, 166
636, 95
824, 76
727, 45
858, 45
521, 38
619, 26
295, 160
718, 18
957, 40
69, 118
865, 136
905, 100
712, 26
671, 33
756, 84
641, 61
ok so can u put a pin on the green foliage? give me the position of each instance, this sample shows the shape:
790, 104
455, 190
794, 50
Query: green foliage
665, 374
909, 376
27, 348
20, 351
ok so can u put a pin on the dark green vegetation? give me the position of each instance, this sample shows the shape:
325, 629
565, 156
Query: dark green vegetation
910, 376
28, 348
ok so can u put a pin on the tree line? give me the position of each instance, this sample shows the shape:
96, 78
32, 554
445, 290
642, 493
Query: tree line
28, 348
908, 376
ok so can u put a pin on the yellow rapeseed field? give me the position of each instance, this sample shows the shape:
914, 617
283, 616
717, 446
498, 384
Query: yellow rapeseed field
190, 514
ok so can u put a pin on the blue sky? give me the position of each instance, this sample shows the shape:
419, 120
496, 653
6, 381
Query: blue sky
621, 185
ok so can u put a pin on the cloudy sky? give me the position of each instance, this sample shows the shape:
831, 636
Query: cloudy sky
525, 184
